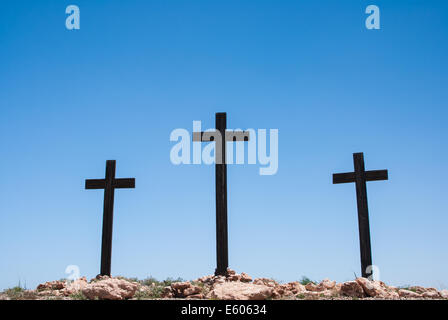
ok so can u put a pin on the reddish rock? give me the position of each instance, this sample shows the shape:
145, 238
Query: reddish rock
206, 279
230, 272
110, 289
192, 290
245, 277
74, 286
444, 294
240, 291
288, 289
314, 287
352, 289
327, 284
180, 285
372, 288
418, 289
167, 292
265, 281
431, 294
51, 285
377, 289
234, 277
408, 294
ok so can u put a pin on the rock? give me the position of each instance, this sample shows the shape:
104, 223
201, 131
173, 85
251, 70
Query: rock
183, 289
234, 277
403, 293
245, 277
101, 277
110, 289
240, 291
296, 287
315, 287
391, 292
311, 286
431, 294
327, 284
51, 285
167, 292
49, 293
377, 289
352, 289
267, 282
206, 279
74, 286
337, 289
372, 288
444, 294
219, 279
311, 295
192, 290
418, 289
180, 285
288, 289
230, 272
393, 288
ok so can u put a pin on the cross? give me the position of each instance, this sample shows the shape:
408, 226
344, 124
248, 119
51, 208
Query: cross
360, 176
222, 251
109, 184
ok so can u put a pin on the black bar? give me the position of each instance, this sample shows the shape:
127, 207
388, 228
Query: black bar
376, 175
343, 177
222, 256
363, 214
108, 216
95, 184
224, 309
124, 183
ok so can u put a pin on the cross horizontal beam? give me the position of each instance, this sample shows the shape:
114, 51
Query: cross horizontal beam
121, 183
372, 175
231, 135
95, 184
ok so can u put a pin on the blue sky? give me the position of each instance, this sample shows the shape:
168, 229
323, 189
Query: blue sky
136, 70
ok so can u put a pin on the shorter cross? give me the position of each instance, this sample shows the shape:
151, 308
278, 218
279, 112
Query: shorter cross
360, 177
109, 184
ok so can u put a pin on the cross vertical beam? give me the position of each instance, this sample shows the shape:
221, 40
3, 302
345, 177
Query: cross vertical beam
360, 177
109, 184
363, 214
222, 250
108, 218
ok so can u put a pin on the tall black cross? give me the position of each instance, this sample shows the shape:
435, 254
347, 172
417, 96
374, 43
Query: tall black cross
109, 184
222, 250
360, 176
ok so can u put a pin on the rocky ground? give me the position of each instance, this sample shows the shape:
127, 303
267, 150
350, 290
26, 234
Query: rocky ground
231, 287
